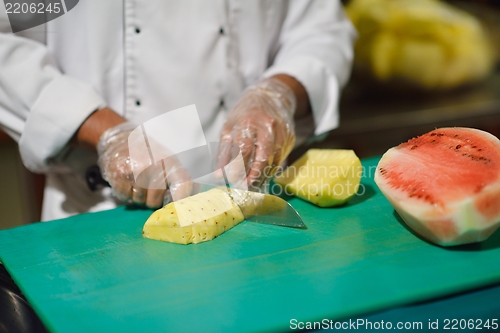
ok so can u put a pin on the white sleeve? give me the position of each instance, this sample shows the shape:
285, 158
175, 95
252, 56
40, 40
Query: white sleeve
316, 48
39, 106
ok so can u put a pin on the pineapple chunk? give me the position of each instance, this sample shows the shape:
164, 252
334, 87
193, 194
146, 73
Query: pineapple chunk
324, 177
430, 43
195, 219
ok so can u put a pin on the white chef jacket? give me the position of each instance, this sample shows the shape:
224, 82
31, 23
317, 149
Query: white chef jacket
143, 58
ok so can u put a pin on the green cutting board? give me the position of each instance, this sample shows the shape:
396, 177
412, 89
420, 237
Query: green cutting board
95, 273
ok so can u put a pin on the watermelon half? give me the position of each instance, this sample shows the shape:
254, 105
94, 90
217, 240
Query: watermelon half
445, 184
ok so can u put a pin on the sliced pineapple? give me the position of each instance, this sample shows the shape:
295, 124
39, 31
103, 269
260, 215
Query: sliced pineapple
325, 177
194, 219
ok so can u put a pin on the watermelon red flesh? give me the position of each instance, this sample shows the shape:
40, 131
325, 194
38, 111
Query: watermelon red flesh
445, 184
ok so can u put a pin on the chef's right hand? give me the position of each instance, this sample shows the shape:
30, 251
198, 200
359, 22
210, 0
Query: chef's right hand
150, 187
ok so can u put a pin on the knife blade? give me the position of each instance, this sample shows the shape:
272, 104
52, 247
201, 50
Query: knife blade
264, 208
268, 209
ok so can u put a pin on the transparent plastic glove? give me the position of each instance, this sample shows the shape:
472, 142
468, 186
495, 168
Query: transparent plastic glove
262, 125
150, 186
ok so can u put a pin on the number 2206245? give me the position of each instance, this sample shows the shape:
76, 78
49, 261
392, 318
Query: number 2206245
470, 324
32, 8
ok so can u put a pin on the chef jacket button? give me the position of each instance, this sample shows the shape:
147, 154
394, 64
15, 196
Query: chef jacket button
221, 103
138, 102
221, 31
137, 30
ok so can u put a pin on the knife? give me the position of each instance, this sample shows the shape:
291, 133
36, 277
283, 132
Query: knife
267, 208
264, 208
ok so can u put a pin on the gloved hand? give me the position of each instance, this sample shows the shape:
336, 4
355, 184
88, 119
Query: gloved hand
261, 124
118, 167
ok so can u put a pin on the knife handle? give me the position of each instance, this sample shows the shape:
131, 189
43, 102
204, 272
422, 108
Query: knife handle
94, 179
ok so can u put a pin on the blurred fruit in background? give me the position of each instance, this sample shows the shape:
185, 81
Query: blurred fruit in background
424, 43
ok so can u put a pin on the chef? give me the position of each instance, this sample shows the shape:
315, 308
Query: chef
263, 75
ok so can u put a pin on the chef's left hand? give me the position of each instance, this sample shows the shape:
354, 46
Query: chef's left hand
262, 125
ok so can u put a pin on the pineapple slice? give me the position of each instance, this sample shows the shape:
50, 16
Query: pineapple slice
195, 219
324, 177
